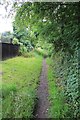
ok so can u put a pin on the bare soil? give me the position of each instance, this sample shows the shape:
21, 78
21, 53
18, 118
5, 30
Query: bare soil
42, 94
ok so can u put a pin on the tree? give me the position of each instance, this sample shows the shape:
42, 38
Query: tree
57, 18
6, 37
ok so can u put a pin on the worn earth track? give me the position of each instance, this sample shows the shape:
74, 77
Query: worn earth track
42, 94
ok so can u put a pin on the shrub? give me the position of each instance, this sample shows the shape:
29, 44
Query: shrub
15, 41
41, 52
28, 54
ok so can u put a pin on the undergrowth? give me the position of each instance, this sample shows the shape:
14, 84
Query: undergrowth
58, 107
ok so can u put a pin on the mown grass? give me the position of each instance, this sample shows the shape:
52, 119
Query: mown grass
58, 107
20, 81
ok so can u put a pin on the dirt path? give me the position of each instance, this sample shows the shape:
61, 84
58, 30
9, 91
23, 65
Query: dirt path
43, 103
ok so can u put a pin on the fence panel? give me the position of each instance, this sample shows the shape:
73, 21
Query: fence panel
9, 50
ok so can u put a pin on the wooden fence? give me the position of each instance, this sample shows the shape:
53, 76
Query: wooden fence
9, 50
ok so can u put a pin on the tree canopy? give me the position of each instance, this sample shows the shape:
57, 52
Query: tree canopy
58, 23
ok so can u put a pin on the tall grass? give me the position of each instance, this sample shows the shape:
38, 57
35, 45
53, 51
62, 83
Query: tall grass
20, 81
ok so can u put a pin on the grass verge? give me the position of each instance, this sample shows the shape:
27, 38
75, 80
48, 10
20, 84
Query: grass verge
58, 107
20, 81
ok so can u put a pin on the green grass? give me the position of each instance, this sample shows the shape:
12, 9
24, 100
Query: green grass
58, 107
20, 81
31, 54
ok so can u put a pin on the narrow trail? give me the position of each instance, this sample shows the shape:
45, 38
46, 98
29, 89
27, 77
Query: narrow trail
42, 94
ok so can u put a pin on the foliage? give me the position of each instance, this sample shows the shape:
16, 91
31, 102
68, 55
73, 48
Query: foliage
44, 47
23, 34
41, 52
20, 81
15, 41
66, 70
24, 49
48, 20
58, 107
6, 36
23, 38
29, 54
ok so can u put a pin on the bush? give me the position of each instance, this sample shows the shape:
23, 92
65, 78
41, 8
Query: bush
41, 52
22, 49
28, 54
15, 41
